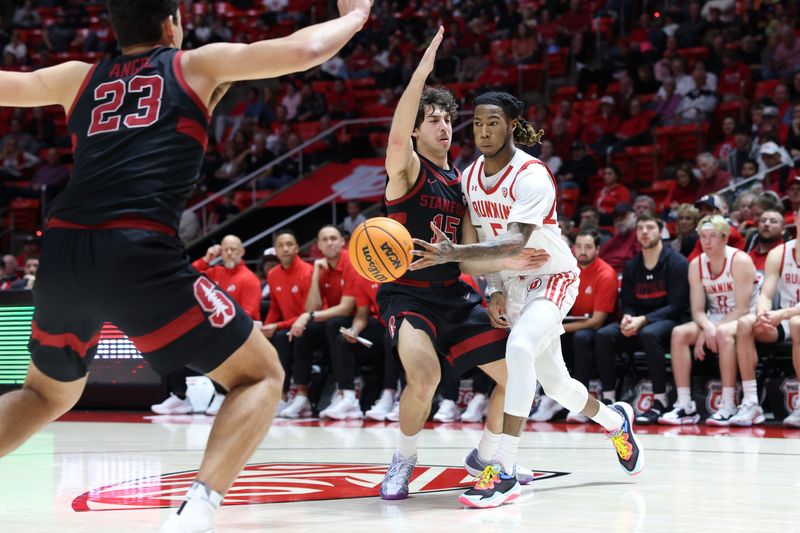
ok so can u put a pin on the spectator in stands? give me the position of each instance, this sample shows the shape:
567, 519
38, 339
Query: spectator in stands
712, 178
634, 130
749, 169
596, 300
768, 325
50, 177
58, 36
623, 245
287, 170
770, 234
17, 48
330, 295
267, 261
728, 142
523, 45
666, 107
14, 161
291, 100
685, 228
560, 137
447, 64
312, 104
578, 168
776, 174
721, 285
26, 16
792, 202
341, 102
599, 132
742, 214
683, 82
793, 132
690, 31
786, 60
501, 74
224, 210
655, 295
289, 283
686, 186
28, 275
589, 219
743, 149
42, 128
772, 129
8, 275
354, 217
474, 64
699, 103
24, 140
199, 32
735, 80
613, 193
548, 157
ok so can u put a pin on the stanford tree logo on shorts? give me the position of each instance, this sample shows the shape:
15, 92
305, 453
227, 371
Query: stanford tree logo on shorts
277, 483
214, 301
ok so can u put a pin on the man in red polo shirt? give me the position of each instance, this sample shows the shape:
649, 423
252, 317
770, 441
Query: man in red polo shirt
289, 283
597, 298
332, 276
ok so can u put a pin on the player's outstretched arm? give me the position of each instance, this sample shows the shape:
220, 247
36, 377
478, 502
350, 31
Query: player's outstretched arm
57, 85
222, 63
527, 259
402, 164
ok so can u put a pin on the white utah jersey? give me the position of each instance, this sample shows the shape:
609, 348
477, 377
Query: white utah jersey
719, 289
523, 191
789, 280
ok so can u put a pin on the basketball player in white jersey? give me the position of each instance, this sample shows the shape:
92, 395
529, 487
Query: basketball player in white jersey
512, 201
721, 291
781, 274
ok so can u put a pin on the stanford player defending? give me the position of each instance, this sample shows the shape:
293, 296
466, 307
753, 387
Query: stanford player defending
138, 126
768, 325
432, 313
512, 201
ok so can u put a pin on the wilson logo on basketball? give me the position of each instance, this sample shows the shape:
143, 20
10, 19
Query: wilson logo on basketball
276, 483
391, 255
214, 301
372, 267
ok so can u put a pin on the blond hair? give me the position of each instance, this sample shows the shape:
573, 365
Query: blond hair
715, 222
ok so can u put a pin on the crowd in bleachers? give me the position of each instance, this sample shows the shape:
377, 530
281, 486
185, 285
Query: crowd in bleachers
679, 111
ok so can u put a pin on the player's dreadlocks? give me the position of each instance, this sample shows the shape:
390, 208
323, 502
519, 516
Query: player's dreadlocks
524, 134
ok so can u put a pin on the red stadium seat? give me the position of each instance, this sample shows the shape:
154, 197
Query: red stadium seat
530, 78
765, 88
568, 201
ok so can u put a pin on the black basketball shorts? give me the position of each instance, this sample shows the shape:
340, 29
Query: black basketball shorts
452, 316
142, 282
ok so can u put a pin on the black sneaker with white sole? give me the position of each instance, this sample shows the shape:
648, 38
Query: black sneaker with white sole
652, 415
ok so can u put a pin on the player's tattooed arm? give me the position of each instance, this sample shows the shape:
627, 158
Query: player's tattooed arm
443, 250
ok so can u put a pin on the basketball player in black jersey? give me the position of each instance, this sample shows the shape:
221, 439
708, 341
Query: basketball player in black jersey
430, 312
110, 252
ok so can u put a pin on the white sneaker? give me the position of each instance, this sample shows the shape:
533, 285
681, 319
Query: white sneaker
793, 420
576, 418
476, 409
394, 414
680, 415
546, 410
381, 407
748, 415
722, 417
347, 408
172, 406
448, 412
216, 403
335, 399
282, 404
299, 407
174, 525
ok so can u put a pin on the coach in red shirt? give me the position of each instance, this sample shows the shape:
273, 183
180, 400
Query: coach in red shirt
597, 298
232, 275
288, 287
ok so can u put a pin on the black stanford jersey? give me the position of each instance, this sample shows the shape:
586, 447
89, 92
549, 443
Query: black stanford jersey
436, 197
138, 133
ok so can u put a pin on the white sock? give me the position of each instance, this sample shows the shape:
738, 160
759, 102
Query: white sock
750, 392
506, 453
727, 397
608, 418
407, 445
487, 446
610, 395
349, 394
662, 397
198, 507
684, 397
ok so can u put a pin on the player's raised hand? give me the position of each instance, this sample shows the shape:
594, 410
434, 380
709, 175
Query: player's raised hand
429, 57
212, 253
439, 250
361, 6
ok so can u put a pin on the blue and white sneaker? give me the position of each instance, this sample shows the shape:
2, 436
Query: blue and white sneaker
629, 452
395, 484
474, 465
493, 488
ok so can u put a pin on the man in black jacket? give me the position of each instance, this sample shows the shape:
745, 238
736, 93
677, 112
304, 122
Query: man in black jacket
655, 299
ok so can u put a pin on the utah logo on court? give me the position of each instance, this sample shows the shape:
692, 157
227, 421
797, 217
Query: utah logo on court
277, 483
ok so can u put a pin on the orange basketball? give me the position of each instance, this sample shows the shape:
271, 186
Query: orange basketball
380, 249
